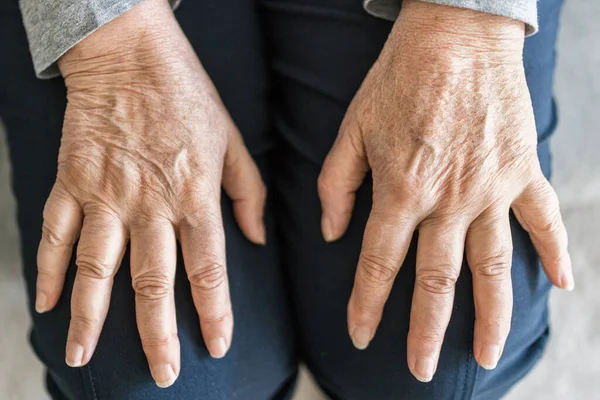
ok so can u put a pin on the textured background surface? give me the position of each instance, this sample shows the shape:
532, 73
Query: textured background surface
570, 368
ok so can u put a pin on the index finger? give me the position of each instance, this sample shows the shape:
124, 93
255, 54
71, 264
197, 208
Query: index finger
203, 246
62, 223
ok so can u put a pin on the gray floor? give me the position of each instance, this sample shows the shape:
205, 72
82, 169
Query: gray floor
571, 367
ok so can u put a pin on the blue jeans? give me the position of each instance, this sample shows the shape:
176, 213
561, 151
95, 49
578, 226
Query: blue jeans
286, 70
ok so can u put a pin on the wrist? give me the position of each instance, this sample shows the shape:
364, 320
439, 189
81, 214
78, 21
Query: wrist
438, 32
147, 37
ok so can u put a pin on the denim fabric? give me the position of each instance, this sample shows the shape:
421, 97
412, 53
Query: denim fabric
286, 70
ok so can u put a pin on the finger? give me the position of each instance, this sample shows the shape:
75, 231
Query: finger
537, 210
153, 264
342, 174
489, 253
62, 222
203, 247
385, 243
99, 253
243, 184
439, 259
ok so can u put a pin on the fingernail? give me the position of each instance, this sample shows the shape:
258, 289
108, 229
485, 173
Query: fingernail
163, 375
424, 369
361, 337
217, 347
74, 356
488, 358
567, 282
262, 234
41, 303
327, 228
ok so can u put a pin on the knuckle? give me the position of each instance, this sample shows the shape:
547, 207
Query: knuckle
156, 342
368, 307
257, 196
391, 200
389, 192
262, 192
152, 285
437, 280
495, 267
203, 217
47, 272
81, 324
551, 196
323, 185
430, 339
214, 318
208, 277
92, 267
543, 188
195, 195
494, 325
376, 270
396, 189
52, 239
553, 225
543, 193
555, 261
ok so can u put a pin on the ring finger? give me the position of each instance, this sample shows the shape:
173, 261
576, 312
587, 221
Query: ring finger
153, 264
489, 253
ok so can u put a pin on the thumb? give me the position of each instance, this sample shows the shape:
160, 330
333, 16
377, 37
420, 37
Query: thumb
243, 184
342, 174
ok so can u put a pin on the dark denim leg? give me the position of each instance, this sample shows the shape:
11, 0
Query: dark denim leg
261, 363
320, 50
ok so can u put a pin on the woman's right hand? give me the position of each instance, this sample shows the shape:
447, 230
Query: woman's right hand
146, 145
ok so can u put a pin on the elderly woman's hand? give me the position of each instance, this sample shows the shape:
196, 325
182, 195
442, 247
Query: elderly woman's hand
146, 145
444, 121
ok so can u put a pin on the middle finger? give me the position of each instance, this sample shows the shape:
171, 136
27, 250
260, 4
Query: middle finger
439, 258
153, 264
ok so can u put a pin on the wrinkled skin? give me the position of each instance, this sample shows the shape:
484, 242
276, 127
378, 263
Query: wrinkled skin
445, 123
146, 145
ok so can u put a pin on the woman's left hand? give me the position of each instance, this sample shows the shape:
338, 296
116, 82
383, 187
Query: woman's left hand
445, 123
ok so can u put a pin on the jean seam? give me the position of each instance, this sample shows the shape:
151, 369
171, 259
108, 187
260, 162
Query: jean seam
466, 380
90, 379
468, 392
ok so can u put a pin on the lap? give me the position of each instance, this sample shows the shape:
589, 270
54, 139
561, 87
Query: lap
318, 52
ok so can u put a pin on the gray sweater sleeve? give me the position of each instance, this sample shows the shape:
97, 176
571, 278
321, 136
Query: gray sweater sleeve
54, 26
522, 10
